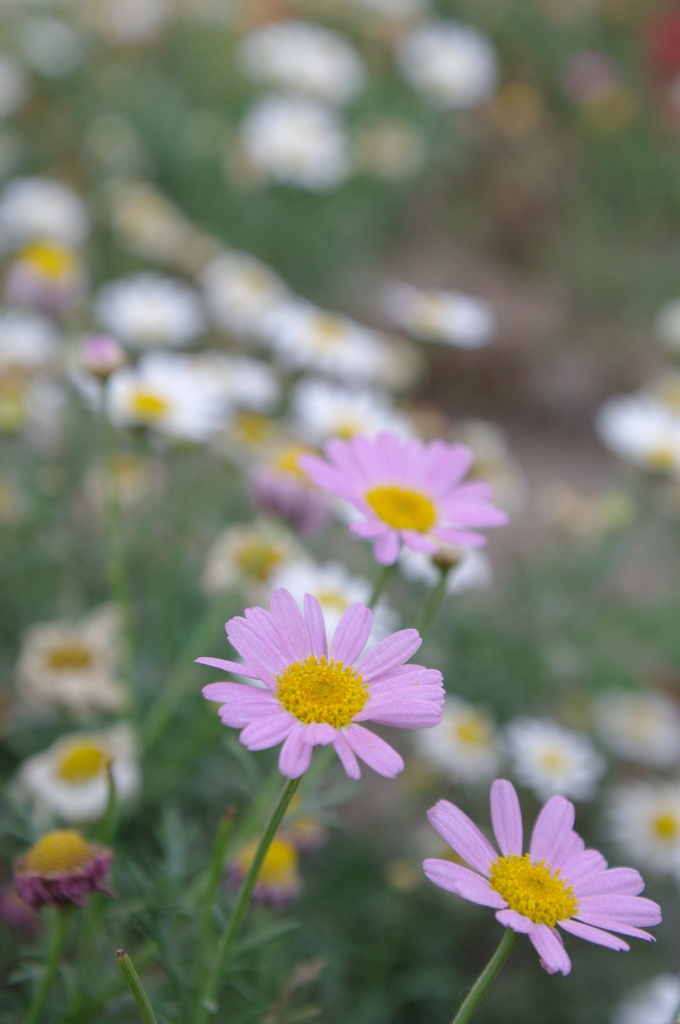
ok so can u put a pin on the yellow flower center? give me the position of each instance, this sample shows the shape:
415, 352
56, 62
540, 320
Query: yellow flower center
287, 460
257, 560
402, 507
662, 459
534, 890
82, 762
329, 329
251, 427
321, 691
665, 826
148, 406
473, 731
279, 867
553, 761
332, 600
61, 852
69, 655
50, 260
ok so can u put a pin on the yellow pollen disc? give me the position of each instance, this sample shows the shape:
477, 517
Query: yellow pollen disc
665, 826
428, 316
473, 731
329, 329
662, 458
50, 260
347, 428
279, 867
332, 600
146, 405
61, 852
250, 427
552, 761
402, 507
82, 762
258, 561
287, 460
321, 691
534, 890
69, 656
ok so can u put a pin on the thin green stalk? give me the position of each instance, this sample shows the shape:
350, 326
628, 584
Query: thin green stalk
379, 585
486, 978
435, 598
212, 882
208, 1005
61, 917
134, 982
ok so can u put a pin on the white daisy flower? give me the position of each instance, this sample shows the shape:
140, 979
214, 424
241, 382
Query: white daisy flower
42, 210
436, 315
296, 141
13, 86
454, 65
69, 780
73, 666
246, 383
239, 290
305, 337
468, 568
303, 57
335, 589
150, 311
28, 341
322, 409
656, 1002
642, 727
550, 760
168, 393
247, 557
464, 746
641, 430
645, 822
50, 46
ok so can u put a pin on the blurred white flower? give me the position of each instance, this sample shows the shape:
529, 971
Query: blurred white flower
51, 46
72, 665
297, 141
335, 589
656, 1002
305, 337
645, 822
464, 746
169, 394
322, 409
642, 727
13, 85
469, 568
42, 210
150, 311
493, 461
303, 57
550, 759
452, 64
436, 315
239, 290
69, 780
246, 557
28, 341
641, 430
46, 276
129, 21
246, 383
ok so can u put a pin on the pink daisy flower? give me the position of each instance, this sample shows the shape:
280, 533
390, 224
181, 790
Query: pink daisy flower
313, 697
558, 882
406, 491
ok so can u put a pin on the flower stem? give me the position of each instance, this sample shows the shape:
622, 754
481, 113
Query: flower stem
208, 1004
60, 921
379, 585
485, 979
435, 598
214, 875
138, 992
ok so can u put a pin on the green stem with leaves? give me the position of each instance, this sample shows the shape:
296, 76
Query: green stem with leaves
135, 985
486, 978
208, 1003
435, 598
61, 917
212, 882
379, 585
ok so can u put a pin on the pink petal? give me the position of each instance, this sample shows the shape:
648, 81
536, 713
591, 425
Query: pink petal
635, 910
607, 924
368, 529
464, 538
296, 755
377, 754
418, 542
319, 734
386, 549
228, 666
626, 881
242, 703
506, 817
445, 465
316, 627
552, 831
351, 633
259, 644
347, 756
267, 732
471, 513
463, 882
596, 935
549, 947
518, 922
291, 624
463, 836
390, 653
401, 714
585, 863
